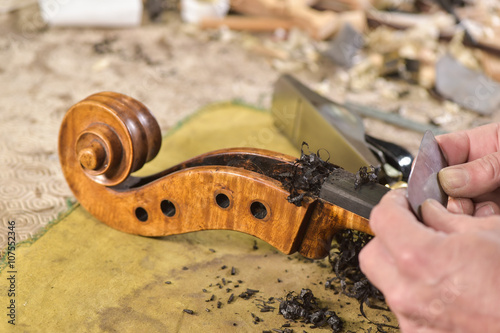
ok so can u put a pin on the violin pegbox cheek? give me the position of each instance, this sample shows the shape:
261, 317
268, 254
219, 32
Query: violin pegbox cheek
107, 136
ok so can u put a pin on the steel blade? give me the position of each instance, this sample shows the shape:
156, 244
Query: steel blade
305, 116
423, 182
339, 189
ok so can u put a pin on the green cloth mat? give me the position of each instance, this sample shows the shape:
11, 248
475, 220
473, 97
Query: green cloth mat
83, 276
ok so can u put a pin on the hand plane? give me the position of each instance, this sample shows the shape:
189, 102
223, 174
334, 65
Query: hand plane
305, 116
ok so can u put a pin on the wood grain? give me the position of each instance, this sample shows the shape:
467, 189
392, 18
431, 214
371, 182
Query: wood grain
107, 136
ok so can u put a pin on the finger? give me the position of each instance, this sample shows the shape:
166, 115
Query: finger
397, 196
396, 226
484, 209
439, 218
392, 201
403, 295
493, 197
413, 324
472, 179
465, 146
378, 265
455, 147
460, 206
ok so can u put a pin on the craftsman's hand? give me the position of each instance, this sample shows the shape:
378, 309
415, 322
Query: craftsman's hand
439, 277
473, 179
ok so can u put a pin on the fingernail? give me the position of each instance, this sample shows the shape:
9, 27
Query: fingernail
485, 210
430, 209
433, 204
460, 206
453, 178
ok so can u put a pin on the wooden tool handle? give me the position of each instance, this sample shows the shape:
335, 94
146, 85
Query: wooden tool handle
107, 136
319, 25
246, 23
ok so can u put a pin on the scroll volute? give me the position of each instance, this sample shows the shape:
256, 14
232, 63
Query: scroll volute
113, 135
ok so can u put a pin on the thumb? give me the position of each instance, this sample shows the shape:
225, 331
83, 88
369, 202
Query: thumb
472, 179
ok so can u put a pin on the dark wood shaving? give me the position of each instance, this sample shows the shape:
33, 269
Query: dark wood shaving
256, 319
345, 264
366, 175
248, 293
305, 306
264, 306
353, 283
309, 174
286, 330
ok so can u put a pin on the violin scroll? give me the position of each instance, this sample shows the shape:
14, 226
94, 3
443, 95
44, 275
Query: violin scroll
107, 136
113, 135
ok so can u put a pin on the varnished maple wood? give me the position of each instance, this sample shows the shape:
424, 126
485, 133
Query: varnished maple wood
107, 136
325, 222
110, 135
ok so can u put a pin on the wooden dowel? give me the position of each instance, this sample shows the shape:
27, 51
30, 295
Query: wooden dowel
247, 23
320, 25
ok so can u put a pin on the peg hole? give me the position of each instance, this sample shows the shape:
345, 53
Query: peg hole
168, 208
258, 210
141, 214
222, 200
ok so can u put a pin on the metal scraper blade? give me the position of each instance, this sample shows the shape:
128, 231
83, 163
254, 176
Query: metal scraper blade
423, 182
